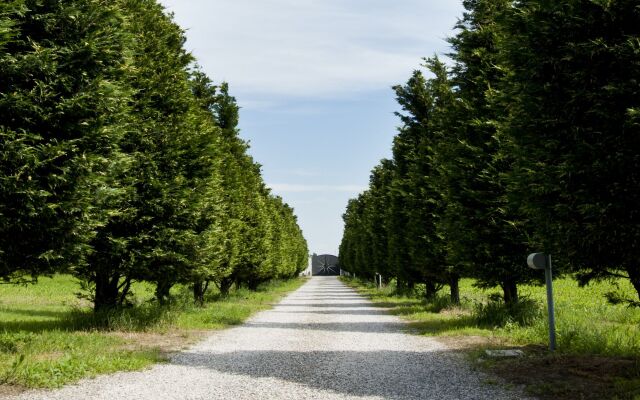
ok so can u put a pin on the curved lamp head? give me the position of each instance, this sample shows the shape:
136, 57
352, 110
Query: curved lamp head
537, 261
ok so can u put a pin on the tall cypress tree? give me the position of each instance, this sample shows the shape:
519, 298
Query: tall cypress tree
152, 239
572, 86
214, 230
405, 146
377, 217
354, 245
426, 104
484, 234
63, 109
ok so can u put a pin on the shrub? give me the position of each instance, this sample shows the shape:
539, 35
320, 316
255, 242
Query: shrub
497, 313
439, 303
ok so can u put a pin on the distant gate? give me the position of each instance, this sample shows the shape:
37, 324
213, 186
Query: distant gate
325, 265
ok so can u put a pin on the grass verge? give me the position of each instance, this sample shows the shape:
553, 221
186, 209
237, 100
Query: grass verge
48, 337
598, 343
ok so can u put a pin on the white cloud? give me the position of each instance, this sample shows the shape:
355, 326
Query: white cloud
288, 187
313, 47
299, 60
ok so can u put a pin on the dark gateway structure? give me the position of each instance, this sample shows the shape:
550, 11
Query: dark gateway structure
324, 265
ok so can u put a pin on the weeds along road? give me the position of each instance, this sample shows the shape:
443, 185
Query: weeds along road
324, 341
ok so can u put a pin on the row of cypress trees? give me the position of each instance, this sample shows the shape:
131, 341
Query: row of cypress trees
528, 141
120, 160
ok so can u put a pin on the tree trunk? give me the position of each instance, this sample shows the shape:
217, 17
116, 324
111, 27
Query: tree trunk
634, 277
510, 290
430, 291
198, 292
454, 284
225, 285
253, 284
126, 286
162, 291
106, 296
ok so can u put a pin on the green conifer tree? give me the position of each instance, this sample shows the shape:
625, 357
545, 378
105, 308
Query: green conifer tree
571, 85
64, 104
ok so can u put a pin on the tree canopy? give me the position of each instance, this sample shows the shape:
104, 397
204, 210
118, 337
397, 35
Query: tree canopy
121, 160
527, 142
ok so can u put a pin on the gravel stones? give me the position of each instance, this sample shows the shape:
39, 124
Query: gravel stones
324, 341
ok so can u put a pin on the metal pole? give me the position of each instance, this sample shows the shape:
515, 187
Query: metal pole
550, 306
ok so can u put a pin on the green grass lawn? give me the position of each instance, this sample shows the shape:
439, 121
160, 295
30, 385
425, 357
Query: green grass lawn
598, 343
49, 337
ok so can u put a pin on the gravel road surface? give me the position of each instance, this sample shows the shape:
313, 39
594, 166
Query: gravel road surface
323, 341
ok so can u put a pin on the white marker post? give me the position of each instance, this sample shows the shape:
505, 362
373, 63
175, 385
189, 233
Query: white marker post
543, 261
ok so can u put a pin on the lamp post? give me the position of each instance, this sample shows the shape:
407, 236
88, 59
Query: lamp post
543, 261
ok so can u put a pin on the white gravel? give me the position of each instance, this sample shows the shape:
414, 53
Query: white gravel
322, 342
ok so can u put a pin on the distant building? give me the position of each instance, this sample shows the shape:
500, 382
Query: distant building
307, 271
325, 265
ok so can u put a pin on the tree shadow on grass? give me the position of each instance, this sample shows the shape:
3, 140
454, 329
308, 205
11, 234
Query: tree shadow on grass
134, 319
444, 325
398, 306
35, 326
34, 312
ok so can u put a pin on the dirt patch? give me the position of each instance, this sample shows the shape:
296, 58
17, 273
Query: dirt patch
167, 342
469, 342
455, 312
7, 391
555, 376
571, 377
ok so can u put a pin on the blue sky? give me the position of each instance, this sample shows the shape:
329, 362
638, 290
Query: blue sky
313, 79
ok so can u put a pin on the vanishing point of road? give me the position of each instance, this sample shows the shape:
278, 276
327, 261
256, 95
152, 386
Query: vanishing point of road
323, 341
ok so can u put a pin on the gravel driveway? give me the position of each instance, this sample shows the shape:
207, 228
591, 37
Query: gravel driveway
324, 341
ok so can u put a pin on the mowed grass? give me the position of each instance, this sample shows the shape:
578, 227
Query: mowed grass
49, 337
586, 323
598, 344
